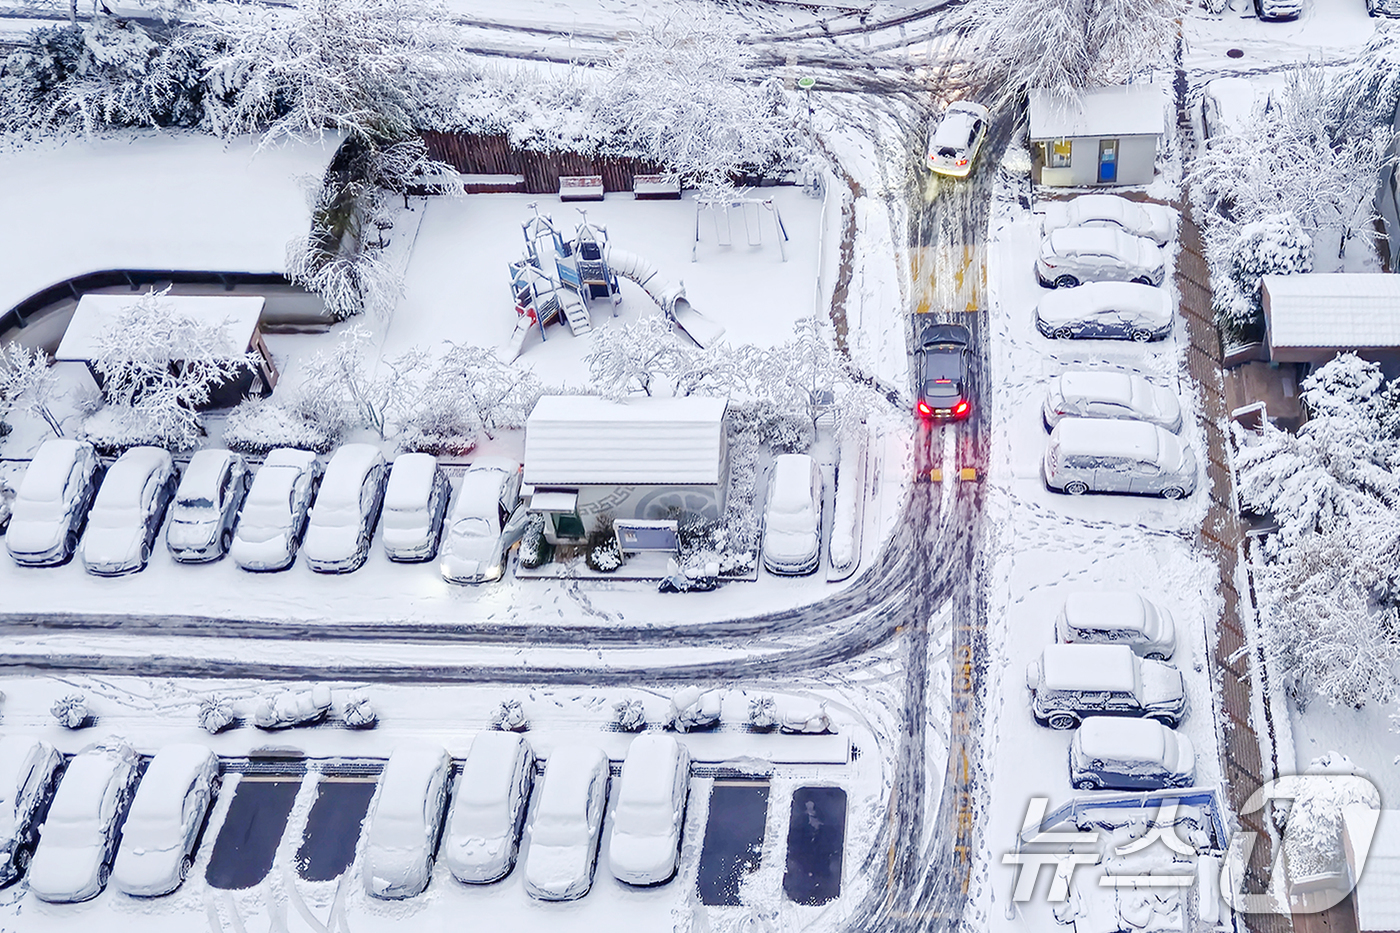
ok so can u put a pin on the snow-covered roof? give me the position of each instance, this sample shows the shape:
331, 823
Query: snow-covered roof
410, 481
566, 779
579, 440
489, 768
161, 793
649, 770
1128, 110
1118, 738
1333, 309
96, 313
290, 456
1105, 610
1089, 667
407, 774
1094, 437
121, 487
151, 200
1105, 386
1378, 891
345, 475
80, 792
201, 476
17, 752
47, 475
791, 488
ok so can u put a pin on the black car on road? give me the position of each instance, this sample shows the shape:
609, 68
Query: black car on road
945, 381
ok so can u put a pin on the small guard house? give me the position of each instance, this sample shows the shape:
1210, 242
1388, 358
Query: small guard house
589, 459
239, 315
1101, 136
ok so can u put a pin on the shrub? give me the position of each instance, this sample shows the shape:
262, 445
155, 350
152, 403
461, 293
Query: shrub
604, 556
258, 425
535, 551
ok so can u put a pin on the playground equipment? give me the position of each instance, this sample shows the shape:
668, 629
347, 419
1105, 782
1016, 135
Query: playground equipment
559, 279
727, 213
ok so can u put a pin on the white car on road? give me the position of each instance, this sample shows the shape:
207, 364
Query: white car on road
473, 548
954, 142
1114, 396
48, 512
130, 508
1157, 222
488, 807
415, 505
406, 821
645, 844
167, 815
1111, 310
206, 506
347, 508
1072, 255
29, 769
79, 836
567, 824
274, 515
792, 517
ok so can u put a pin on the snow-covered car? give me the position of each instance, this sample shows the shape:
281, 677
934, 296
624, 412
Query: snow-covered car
1072, 255
792, 517
473, 547
567, 824
1139, 218
347, 509
1115, 617
206, 506
166, 818
644, 847
292, 708
7, 498
47, 515
273, 520
1114, 396
29, 770
1275, 10
80, 834
1109, 753
1071, 682
415, 504
128, 512
1383, 7
954, 142
1089, 455
945, 372
1115, 310
1227, 104
488, 807
406, 821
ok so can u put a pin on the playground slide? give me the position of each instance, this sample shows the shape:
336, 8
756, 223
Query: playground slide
671, 297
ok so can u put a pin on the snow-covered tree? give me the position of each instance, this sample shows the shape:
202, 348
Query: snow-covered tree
645, 358
1275, 245
684, 91
1368, 90
28, 384
346, 387
158, 368
125, 76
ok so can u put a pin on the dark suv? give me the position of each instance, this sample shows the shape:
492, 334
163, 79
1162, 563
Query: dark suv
945, 383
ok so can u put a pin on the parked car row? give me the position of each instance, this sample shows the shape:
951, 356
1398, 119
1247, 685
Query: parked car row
1107, 677
67, 505
72, 828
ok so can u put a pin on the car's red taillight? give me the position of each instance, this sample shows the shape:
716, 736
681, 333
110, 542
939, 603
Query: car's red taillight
961, 408
924, 409
961, 163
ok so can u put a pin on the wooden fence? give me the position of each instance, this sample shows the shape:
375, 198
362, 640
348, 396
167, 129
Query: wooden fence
473, 154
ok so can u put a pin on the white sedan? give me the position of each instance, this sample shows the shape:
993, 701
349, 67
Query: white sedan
52, 503
415, 505
129, 510
1157, 222
953, 144
166, 817
1072, 255
1113, 310
347, 509
488, 807
28, 774
274, 514
473, 548
79, 837
406, 821
646, 835
567, 824
792, 518
1113, 395
206, 506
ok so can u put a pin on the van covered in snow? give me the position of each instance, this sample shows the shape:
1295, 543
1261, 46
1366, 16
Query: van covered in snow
1092, 455
1070, 682
1117, 618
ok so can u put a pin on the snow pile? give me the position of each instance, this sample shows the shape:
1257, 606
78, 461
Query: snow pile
215, 714
693, 708
509, 716
71, 711
850, 494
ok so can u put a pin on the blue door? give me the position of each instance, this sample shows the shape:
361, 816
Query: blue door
1108, 161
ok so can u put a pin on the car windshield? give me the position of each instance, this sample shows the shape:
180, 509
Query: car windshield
560, 831
404, 519
196, 502
149, 833
472, 527
337, 516
942, 364
653, 819
395, 832
115, 518
27, 510
72, 833
264, 516
482, 819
